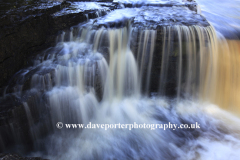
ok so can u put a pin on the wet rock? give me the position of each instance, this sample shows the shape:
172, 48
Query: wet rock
21, 116
191, 4
29, 32
4, 156
151, 17
12, 126
26, 31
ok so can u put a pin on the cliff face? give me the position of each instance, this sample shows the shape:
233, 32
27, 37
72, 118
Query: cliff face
26, 30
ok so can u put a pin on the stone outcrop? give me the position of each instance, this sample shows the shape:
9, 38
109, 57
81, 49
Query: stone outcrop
27, 30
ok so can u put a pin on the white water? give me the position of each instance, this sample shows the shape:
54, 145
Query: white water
224, 15
217, 139
73, 74
147, 15
77, 7
150, 1
71, 101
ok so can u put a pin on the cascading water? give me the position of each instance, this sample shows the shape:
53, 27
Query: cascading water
95, 75
145, 55
196, 47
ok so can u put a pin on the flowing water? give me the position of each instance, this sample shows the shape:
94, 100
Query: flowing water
223, 15
93, 74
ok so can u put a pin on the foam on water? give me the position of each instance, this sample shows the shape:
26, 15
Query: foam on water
150, 15
77, 7
214, 135
150, 1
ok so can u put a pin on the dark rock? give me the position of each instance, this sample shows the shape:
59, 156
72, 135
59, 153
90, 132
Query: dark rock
20, 119
28, 31
8, 156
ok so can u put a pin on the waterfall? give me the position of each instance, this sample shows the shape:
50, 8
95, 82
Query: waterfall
123, 75
209, 71
145, 55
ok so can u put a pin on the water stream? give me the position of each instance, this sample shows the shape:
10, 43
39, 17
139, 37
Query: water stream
94, 74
